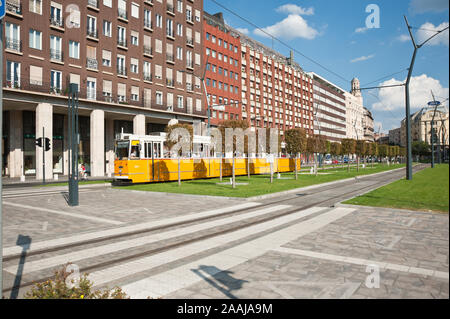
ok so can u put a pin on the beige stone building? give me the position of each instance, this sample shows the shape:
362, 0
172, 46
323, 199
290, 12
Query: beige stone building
395, 136
354, 112
421, 127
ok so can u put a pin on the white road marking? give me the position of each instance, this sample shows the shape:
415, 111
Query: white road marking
365, 262
183, 276
52, 211
126, 229
133, 243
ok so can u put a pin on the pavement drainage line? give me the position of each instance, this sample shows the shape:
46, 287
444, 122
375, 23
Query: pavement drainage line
364, 262
131, 233
180, 277
14, 252
192, 247
47, 193
73, 215
180, 245
97, 251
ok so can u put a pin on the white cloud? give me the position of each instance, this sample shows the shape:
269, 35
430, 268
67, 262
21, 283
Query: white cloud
421, 6
294, 9
428, 29
361, 30
294, 26
363, 58
403, 38
420, 93
243, 30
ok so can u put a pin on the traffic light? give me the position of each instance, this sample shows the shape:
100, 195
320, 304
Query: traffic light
39, 142
47, 144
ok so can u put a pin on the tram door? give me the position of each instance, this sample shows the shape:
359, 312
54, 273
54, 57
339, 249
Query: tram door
153, 151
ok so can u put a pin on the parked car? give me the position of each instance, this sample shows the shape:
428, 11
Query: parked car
335, 161
327, 161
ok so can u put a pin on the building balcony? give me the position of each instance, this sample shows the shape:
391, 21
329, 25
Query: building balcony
170, 9
170, 34
93, 4
92, 33
190, 41
57, 22
91, 64
13, 44
170, 58
14, 7
91, 94
122, 70
122, 14
169, 82
148, 50
148, 24
56, 55
147, 77
150, 2
122, 42
189, 87
190, 64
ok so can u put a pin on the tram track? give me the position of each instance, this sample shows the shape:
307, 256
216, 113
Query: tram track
328, 202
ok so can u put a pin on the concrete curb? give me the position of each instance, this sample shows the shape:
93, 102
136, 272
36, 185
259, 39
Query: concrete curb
259, 197
397, 210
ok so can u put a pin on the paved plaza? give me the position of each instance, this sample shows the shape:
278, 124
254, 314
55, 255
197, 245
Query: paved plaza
302, 244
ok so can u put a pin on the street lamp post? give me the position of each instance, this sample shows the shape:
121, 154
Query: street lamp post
407, 102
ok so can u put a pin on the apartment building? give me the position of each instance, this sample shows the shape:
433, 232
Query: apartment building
276, 92
223, 69
133, 61
329, 109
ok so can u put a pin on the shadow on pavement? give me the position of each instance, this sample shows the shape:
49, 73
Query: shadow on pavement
24, 242
220, 279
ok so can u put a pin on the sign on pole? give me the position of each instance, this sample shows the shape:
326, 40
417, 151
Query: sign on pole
434, 103
2, 9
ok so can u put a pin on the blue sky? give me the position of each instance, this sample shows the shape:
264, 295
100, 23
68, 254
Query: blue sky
334, 33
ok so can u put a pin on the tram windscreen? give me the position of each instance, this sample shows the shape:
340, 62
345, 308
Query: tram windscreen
122, 148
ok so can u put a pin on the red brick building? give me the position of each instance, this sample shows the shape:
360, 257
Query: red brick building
223, 71
276, 92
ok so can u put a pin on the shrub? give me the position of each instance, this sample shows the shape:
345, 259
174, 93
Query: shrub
57, 288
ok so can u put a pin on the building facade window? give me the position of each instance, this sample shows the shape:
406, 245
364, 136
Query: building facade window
13, 74
74, 49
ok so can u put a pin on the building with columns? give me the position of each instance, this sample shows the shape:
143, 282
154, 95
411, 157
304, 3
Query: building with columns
131, 59
421, 127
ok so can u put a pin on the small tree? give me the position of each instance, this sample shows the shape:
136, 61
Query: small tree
360, 150
296, 141
243, 124
335, 149
383, 150
348, 147
169, 143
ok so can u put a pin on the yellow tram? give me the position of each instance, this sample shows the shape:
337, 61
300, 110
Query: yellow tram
144, 159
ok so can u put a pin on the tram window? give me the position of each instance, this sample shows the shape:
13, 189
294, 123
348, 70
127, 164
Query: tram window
156, 150
134, 152
149, 149
122, 148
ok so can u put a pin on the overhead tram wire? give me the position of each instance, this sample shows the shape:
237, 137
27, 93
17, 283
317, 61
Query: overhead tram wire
384, 77
281, 41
